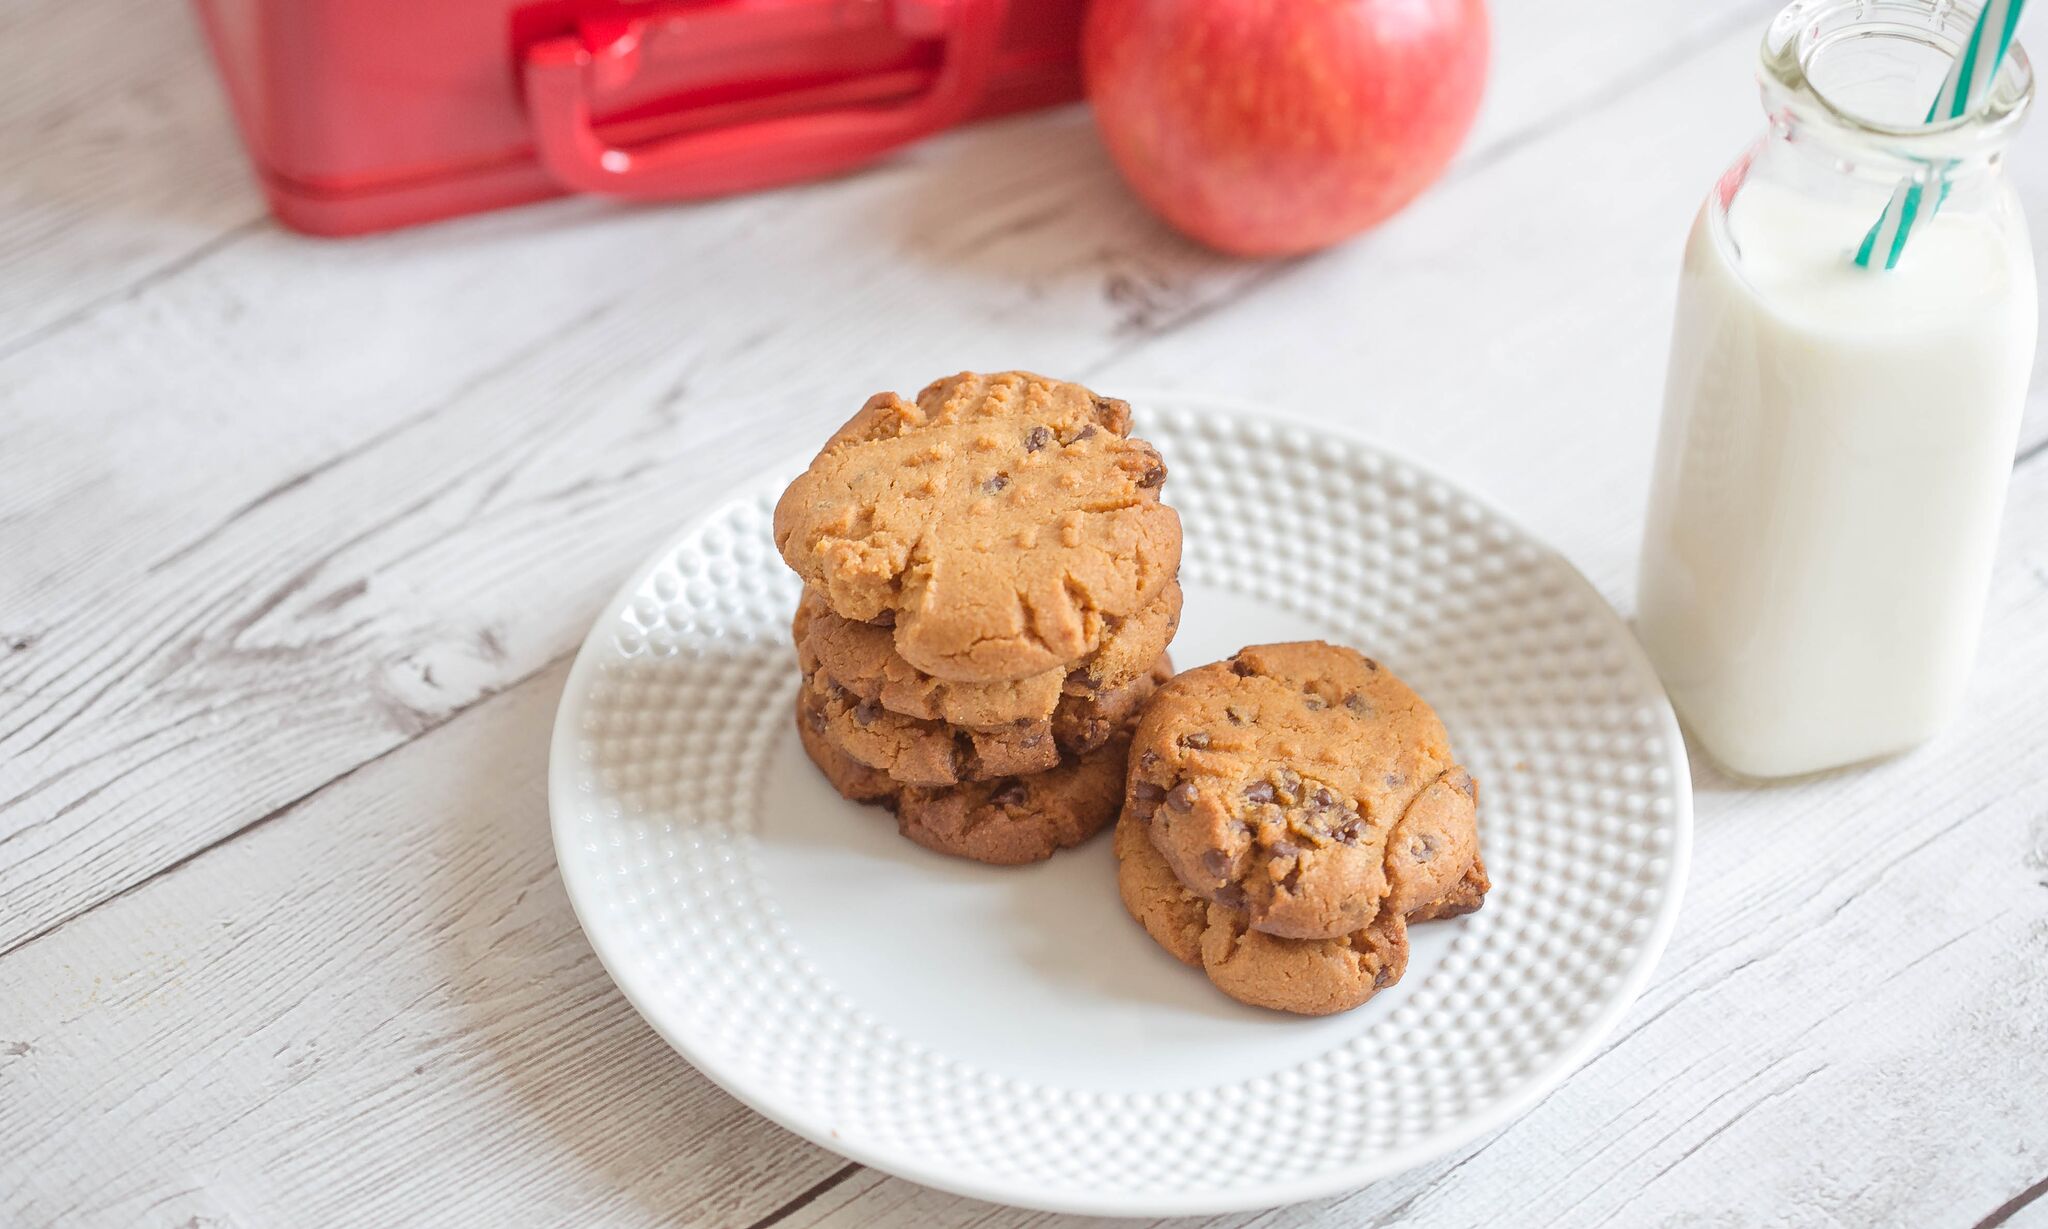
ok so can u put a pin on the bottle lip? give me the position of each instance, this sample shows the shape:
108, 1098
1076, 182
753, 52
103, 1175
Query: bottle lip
1806, 31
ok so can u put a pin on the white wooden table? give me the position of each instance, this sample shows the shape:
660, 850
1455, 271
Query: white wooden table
297, 538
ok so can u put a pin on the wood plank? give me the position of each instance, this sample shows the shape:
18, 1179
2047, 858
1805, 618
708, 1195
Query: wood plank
377, 1009
384, 919
118, 165
378, 1005
395, 558
482, 424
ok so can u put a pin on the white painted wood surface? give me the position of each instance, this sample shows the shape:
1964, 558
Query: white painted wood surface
296, 536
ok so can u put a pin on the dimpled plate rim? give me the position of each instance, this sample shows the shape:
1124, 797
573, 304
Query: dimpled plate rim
570, 801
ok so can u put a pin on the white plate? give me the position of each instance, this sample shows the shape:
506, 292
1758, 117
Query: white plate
1011, 1034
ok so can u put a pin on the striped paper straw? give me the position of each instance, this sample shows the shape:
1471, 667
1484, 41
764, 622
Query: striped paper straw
1969, 80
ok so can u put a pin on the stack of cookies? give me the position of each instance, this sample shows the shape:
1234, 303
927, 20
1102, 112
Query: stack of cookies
1288, 813
990, 587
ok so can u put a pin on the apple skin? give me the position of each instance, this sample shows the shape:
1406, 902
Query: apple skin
1273, 127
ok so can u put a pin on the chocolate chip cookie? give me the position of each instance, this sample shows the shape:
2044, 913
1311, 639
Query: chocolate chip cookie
854, 780
1312, 977
1000, 524
862, 658
1305, 786
1005, 822
1464, 896
929, 753
1084, 720
914, 751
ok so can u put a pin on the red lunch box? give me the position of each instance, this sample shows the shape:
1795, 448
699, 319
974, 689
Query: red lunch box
363, 115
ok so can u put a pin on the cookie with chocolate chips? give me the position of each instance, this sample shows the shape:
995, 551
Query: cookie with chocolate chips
928, 753
862, 658
1305, 786
1007, 821
1312, 977
914, 751
1000, 525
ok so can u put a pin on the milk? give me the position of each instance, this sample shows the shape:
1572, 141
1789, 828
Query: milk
1830, 475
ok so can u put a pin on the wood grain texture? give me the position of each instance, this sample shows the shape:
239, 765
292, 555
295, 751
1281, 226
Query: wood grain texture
463, 466
430, 428
376, 1010
378, 1007
118, 166
294, 537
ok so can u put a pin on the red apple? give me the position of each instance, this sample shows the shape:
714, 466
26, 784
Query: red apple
1266, 127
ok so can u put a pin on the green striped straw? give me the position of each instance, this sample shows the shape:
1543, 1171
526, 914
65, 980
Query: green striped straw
1969, 80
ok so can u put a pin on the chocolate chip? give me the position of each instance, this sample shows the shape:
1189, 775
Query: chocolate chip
1038, 439
1183, 797
1381, 978
1356, 703
1231, 896
1285, 849
866, 711
1347, 832
1078, 677
1291, 881
1152, 477
1370, 664
1324, 798
885, 619
1148, 760
815, 719
1259, 792
1085, 433
1314, 702
1217, 863
1237, 714
1010, 795
1290, 780
1394, 780
1197, 741
1032, 741
994, 484
1423, 849
1240, 668
1145, 791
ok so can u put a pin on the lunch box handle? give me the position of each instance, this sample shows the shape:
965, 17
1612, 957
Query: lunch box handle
559, 74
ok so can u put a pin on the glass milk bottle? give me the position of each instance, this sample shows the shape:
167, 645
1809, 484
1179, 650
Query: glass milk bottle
1836, 440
